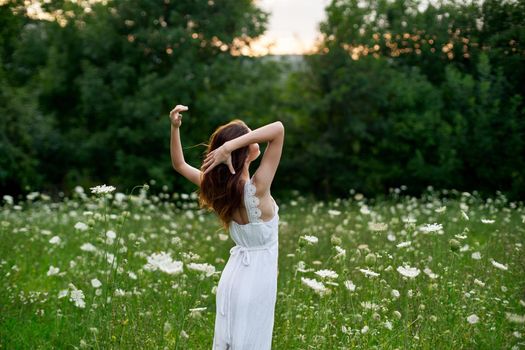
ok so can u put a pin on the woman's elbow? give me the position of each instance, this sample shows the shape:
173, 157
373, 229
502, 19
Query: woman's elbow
280, 126
177, 166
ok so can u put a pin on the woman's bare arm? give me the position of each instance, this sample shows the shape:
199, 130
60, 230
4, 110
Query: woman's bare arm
177, 156
266, 133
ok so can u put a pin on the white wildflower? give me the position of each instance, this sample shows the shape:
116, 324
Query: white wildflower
440, 209
350, 285
96, 283
310, 239
476, 255
404, 244
326, 273
317, 286
120, 292
333, 212
206, 268
8, 199
499, 265
429, 273
54, 240
479, 283
162, 261
53, 271
511, 317
364, 210
472, 319
81, 226
77, 296
408, 271
88, 247
196, 311
369, 305
368, 272
409, 220
377, 226
102, 189
427, 228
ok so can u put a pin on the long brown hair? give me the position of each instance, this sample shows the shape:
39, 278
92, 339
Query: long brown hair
220, 190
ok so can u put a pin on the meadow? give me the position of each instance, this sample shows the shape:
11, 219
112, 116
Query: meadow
139, 271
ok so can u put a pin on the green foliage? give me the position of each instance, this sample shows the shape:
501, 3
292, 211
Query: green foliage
405, 95
399, 93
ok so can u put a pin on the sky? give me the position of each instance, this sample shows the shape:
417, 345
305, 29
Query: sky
292, 26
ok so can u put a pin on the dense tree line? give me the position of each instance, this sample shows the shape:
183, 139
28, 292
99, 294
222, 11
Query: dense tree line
397, 94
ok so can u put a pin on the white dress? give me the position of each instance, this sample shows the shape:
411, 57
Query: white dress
247, 289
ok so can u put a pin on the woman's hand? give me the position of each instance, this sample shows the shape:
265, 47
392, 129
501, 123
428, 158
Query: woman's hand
216, 157
176, 117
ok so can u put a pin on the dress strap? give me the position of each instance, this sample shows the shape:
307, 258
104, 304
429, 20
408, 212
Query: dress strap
251, 202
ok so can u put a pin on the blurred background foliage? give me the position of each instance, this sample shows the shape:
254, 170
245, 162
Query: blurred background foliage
396, 94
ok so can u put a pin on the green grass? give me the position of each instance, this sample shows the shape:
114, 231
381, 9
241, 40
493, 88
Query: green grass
154, 312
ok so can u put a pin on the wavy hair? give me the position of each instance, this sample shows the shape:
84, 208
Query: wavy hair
220, 190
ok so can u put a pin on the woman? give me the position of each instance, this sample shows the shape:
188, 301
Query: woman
247, 289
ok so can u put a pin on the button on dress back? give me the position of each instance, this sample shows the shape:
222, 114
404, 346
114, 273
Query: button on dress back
247, 290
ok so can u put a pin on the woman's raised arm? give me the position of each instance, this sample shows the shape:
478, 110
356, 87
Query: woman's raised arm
177, 157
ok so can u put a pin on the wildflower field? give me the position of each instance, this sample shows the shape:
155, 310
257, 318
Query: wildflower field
102, 269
